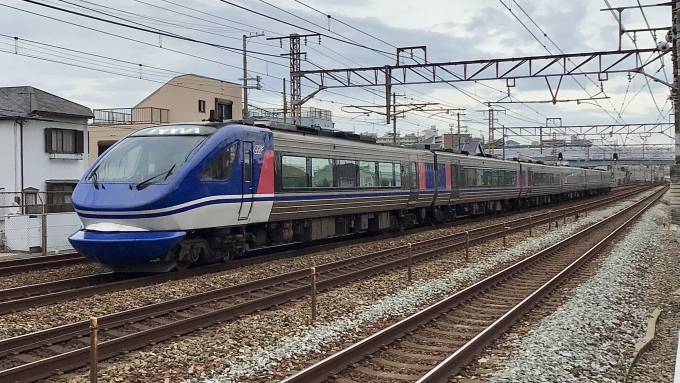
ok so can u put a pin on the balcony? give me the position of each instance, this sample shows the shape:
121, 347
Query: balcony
130, 116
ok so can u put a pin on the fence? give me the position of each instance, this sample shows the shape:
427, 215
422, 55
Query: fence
36, 222
124, 116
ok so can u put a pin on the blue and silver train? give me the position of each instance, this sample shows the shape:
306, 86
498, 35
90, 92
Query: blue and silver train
171, 196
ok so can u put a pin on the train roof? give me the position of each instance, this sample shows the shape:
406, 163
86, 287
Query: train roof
336, 134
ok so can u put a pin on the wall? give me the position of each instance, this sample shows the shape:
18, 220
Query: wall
183, 101
38, 166
107, 133
10, 176
22, 232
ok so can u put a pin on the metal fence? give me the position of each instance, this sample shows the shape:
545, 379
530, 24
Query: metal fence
125, 116
36, 222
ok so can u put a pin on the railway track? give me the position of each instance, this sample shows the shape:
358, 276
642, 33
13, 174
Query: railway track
437, 342
25, 297
34, 263
37, 355
21, 265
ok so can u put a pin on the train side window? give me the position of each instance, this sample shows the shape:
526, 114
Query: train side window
386, 173
397, 175
322, 172
294, 172
346, 172
470, 177
222, 166
247, 166
366, 174
510, 178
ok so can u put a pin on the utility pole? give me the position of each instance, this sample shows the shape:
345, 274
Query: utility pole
492, 113
675, 95
394, 119
285, 104
295, 56
491, 145
245, 73
503, 142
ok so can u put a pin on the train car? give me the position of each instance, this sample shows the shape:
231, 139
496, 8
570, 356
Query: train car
171, 196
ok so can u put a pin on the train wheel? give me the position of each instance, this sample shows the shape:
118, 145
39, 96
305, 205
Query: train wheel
182, 265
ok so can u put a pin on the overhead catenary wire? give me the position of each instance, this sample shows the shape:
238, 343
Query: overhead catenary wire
148, 30
203, 58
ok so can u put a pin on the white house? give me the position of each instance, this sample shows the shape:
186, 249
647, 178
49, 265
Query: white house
43, 139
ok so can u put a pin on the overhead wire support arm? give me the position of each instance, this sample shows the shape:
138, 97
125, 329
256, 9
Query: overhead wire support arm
587, 63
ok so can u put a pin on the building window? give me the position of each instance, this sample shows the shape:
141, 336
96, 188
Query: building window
224, 111
201, 106
31, 205
64, 141
59, 197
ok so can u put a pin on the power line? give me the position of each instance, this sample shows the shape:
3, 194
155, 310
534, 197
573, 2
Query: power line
558, 48
131, 39
146, 29
299, 27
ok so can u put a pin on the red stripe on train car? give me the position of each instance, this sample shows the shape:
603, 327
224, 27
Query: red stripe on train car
447, 168
422, 176
266, 184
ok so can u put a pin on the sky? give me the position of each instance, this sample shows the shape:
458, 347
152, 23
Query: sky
97, 64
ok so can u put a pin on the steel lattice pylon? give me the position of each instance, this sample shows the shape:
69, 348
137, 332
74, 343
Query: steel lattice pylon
295, 81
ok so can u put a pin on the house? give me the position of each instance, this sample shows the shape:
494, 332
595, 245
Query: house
185, 98
44, 139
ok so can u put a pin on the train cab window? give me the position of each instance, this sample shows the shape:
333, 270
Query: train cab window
366, 174
322, 172
294, 172
386, 174
247, 166
346, 172
222, 166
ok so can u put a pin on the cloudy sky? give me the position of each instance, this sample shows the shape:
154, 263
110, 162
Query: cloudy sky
97, 63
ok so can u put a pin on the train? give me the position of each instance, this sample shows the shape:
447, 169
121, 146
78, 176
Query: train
172, 196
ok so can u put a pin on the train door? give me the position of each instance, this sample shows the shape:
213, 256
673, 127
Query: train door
247, 185
455, 182
414, 180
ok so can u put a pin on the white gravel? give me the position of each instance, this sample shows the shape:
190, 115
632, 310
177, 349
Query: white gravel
581, 341
313, 340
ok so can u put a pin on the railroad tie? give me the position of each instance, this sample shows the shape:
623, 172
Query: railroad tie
386, 375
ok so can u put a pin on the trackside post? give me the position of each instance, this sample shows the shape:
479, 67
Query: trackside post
313, 270
467, 245
94, 329
409, 263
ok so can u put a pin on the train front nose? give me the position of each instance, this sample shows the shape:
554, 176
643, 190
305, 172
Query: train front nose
124, 248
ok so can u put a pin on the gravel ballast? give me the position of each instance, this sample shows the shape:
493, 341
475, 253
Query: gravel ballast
258, 347
591, 337
315, 340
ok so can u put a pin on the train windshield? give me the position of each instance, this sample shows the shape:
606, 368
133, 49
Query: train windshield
142, 160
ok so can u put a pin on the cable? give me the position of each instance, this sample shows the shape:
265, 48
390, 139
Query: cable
558, 48
143, 29
299, 27
133, 40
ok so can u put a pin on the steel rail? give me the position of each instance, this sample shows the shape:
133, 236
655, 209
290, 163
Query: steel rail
24, 297
39, 262
21, 265
332, 275
455, 362
334, 364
